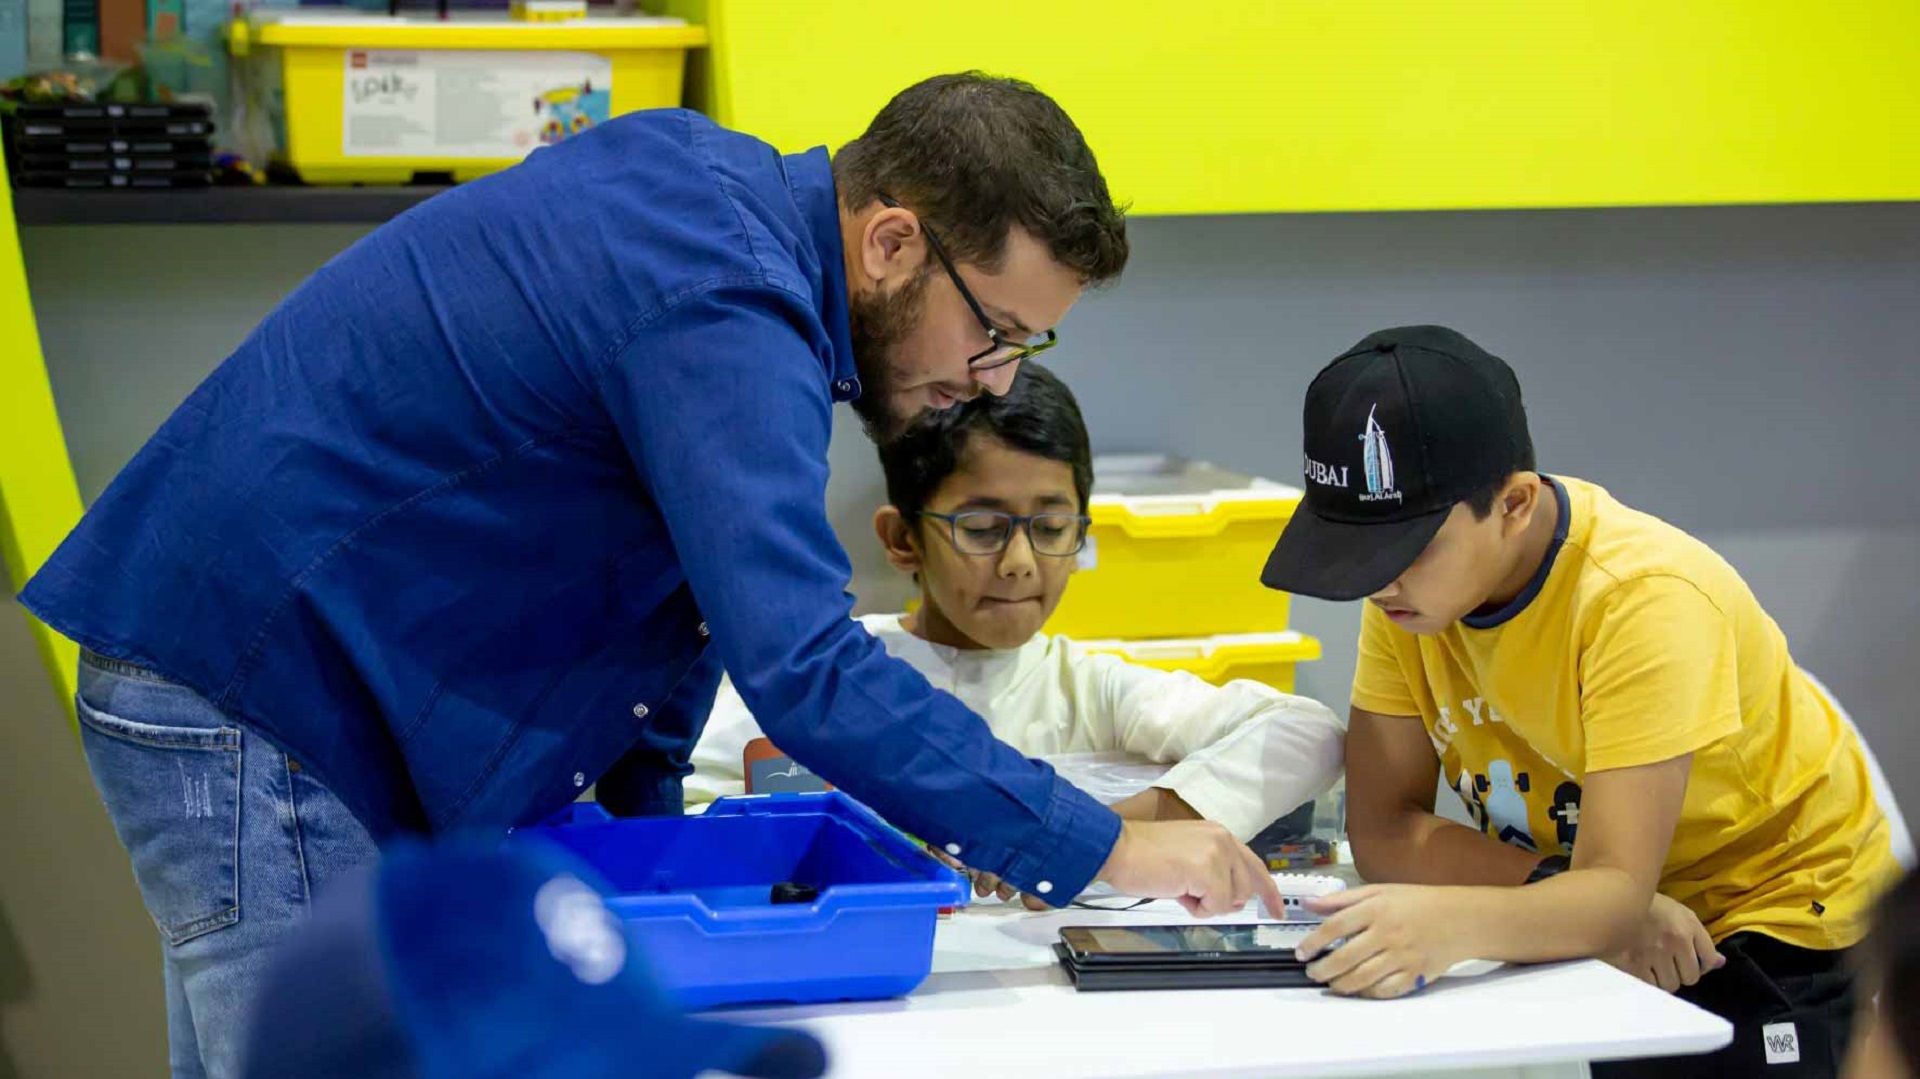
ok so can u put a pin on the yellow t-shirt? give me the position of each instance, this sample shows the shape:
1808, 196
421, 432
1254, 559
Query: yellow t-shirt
1641, 645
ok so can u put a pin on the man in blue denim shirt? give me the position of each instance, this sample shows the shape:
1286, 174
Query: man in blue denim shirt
485, 505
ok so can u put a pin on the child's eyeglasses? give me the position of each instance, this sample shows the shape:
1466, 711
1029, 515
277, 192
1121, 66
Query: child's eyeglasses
983, 532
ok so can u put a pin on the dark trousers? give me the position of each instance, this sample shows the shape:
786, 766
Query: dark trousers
1787, 1000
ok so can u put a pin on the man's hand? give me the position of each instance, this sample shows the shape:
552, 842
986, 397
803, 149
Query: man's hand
1671, 948
1197, 862
1394, 938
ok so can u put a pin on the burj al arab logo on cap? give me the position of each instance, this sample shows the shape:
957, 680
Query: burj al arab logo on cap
1377, 460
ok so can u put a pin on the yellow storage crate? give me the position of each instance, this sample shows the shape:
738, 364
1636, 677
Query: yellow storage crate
1176, 550
355, 98
1268, 658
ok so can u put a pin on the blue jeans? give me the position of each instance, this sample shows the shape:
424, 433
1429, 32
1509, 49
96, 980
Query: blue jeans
229, 841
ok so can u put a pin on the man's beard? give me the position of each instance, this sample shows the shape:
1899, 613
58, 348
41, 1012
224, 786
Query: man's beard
879, 322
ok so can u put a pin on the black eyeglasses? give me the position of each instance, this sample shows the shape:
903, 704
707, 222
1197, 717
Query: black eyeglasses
1000, 351
1059, 535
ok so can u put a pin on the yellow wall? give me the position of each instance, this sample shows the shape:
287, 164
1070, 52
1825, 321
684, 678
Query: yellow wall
39, 501
1379, 104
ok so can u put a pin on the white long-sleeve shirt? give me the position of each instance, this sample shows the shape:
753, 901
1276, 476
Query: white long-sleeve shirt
1242, 755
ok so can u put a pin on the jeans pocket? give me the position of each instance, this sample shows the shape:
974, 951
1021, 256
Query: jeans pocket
174, 795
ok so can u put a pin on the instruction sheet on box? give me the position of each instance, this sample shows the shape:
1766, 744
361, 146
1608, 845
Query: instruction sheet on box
446, 103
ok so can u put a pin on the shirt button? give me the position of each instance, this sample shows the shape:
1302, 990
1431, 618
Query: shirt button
640, 711
953, 849
1043, 887
703, 629
579, 779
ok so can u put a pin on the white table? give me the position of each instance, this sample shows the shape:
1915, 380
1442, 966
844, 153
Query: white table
997, 1007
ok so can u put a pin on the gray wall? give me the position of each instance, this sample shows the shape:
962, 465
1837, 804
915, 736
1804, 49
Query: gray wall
1744, 372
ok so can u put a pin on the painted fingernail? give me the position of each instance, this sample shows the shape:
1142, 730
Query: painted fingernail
1419, 982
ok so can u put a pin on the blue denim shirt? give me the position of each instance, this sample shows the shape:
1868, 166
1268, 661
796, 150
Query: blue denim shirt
486, 503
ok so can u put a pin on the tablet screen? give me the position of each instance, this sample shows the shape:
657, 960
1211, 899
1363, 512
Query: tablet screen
1273, 941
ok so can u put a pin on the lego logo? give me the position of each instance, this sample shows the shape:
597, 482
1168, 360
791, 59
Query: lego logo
359, 59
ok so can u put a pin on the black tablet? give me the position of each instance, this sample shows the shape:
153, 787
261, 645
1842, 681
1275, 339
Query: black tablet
1095, 979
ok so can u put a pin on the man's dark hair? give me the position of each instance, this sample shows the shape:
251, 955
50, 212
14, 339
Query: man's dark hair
1038, 416
975, 155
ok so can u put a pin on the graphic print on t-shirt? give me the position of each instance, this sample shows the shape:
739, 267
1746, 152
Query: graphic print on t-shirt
1509, 789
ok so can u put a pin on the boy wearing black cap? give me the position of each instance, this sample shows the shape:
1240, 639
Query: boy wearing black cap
1576, 668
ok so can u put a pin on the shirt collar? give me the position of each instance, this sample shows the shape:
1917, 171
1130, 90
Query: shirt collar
810, 178
1519, 603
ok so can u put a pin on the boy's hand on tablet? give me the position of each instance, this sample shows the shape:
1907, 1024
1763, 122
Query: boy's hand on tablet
1391, 939
1671, 949
1198, 863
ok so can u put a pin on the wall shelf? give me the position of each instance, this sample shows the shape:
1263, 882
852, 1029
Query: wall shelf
267, 205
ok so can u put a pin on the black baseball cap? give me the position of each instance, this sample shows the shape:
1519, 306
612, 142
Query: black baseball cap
1399, 428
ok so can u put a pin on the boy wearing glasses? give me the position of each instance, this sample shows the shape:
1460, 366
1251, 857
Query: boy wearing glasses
986, 507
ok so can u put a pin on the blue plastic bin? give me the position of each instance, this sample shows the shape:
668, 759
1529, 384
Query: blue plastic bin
696, 891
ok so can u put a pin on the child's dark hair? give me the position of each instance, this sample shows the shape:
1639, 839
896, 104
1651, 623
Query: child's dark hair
1892, 958
1481, 500
1038, 416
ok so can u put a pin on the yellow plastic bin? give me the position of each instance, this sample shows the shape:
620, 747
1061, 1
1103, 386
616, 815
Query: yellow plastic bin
1268, 658
356, 98
1176, 550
